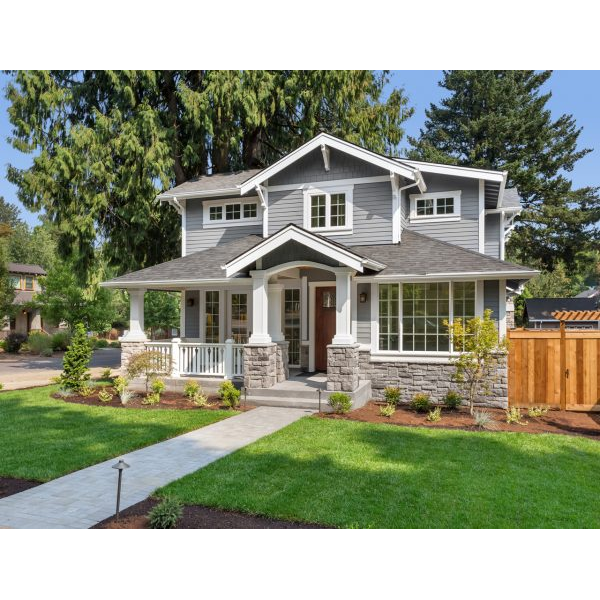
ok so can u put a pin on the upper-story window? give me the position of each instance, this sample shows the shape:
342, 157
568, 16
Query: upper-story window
437, 205
29, 283
227, 212
15, 282
328, 211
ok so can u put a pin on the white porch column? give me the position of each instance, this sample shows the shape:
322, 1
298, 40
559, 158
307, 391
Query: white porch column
136, 331
275, 295
343, 320
260, 309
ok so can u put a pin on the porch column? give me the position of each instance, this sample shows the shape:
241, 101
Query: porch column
260, 309
343, 319
136, 331
275, 294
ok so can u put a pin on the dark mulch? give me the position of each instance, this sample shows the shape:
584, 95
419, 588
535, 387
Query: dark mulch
199, 517
10, 486
555, 421
171, 400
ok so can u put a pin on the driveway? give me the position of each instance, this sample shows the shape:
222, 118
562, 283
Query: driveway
21, 371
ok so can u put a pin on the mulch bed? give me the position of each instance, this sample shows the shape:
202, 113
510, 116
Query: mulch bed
555, 421
10, 486
199, 517
171, 400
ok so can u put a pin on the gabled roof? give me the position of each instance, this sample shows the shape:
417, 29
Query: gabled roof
209, 185
542, 309
25, 269
589, 293
292, 233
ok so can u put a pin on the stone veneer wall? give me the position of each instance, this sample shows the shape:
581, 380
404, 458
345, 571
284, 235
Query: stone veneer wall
265, 365
431, 378
283, 361
128, 349
342, 368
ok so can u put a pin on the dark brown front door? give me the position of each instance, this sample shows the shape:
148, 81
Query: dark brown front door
324, 324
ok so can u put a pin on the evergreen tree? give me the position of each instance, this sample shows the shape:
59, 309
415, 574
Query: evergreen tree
106, 142
76, 361
500, 120
9, 213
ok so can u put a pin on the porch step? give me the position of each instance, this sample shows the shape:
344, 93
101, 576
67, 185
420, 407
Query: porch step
282, 390
286, 402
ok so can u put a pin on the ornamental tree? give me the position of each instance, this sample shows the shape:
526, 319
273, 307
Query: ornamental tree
76, 361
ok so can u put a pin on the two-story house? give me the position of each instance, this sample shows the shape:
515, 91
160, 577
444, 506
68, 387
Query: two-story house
336, 260
24, 280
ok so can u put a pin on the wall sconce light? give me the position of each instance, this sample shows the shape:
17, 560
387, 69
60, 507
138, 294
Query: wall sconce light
362, 298
190, 302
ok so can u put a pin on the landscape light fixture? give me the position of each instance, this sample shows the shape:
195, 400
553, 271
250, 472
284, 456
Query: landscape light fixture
121, 465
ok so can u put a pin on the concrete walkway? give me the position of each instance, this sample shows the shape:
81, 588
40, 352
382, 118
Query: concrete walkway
84, 498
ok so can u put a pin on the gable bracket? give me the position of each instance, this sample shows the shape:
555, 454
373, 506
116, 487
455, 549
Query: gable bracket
325, 152
260, 190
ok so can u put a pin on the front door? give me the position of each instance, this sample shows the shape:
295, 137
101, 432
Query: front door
324, 324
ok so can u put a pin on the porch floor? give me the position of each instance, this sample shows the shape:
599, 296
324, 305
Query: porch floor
301, 380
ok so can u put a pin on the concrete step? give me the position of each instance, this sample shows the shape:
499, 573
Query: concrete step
287, 402
304, 392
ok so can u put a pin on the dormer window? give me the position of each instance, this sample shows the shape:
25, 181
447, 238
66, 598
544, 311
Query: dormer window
328, 211
219, 213
435, 206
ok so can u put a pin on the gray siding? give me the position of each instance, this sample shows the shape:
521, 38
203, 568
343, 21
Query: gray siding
198, 238
463, 233
492, 235
491, 297
372, 213
363, 314
192, 315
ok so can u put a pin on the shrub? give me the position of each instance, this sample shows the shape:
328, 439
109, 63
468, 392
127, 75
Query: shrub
513, 415
148, 364
392, 395
105, 396
200, 400
100, 343
537, 411
60, 341
39, 343
24, 347
229, 394
64, 393
151, 399
125, 396
120, 384
191, 388
47, 352
86, 390
14, 341
107, 374
452, 400
3, 344
166, 514
77, 358
158, 386
115, 344
387, 411
484, 420
435, 415
340, 402
421, 403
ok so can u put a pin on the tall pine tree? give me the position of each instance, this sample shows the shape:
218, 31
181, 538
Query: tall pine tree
500, 120
106, 142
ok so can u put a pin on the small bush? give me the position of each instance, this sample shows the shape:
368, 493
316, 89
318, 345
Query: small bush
229, 394
200, 400
151, 399
392, 395
421, 403
115, 344
106, 374
158, 386
484, 420
40, 343
513, 415
148, 364
86, 390
105, 396
435, 415
100, 343
64, 393
387, 411
340, 402
60, 341
191, 388
537, 411
125, 396
452, 400
166, 514
77, 359
120, 384
3, 345
14, 342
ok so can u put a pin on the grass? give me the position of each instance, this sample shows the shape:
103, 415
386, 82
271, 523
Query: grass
350, 474
42, 438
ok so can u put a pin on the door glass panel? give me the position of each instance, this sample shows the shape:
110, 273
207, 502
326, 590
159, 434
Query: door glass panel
291, 324
211, 329
239, 318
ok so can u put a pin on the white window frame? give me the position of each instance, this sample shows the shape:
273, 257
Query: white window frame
223, 222
435, 218
328, 192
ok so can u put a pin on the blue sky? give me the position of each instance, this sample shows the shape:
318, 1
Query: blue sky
573, 92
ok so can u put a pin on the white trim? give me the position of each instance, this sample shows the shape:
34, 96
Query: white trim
479, 298
396, 216
304, 309
265, 212
502, 244
166, 197
182, 307
374, 316
435, 218
501, 190
330, 183
456, 171
327, 191
383, 162
396, 357
221, 223
183, 227
326, 155
481, 217
502, 308
343, 304
354, 308
471, 276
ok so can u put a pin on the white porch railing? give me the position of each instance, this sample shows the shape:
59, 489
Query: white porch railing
193, 358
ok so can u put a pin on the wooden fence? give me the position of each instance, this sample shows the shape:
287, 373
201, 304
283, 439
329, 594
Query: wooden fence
558, 369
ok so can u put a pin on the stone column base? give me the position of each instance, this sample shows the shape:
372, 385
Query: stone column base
283, 361
129, 349
342, 368
260, 365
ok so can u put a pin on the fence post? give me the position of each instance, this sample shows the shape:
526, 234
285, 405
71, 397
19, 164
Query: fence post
229, 359
563, 366
175, 357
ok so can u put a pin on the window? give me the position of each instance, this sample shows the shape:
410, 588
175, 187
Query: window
211, 328
291, 324
389, 333
463, 301
239, 318
438, 205
15, 282
219, 212
29, 283
328, 211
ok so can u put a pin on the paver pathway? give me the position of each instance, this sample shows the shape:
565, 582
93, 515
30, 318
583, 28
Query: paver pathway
82, 499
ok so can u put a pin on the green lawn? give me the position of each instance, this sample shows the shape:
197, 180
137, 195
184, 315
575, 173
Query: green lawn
42, 438
350, 474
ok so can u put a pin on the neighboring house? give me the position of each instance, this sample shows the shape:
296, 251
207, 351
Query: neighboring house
540, 313
334, 259
24, 279
590, 293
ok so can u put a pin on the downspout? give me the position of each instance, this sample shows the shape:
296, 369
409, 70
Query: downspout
398, 196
